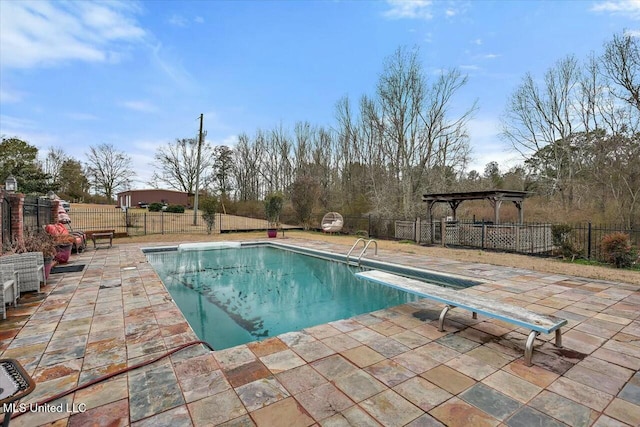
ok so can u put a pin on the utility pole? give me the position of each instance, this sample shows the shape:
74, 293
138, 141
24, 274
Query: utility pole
195, 198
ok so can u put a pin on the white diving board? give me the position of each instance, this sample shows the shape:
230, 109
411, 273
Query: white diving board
535, 322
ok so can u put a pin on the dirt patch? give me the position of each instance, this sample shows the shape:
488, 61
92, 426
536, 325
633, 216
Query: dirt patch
546, 265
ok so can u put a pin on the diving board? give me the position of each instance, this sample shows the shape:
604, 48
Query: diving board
519, 316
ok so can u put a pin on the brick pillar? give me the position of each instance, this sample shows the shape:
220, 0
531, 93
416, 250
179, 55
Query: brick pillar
54, 211
16, 200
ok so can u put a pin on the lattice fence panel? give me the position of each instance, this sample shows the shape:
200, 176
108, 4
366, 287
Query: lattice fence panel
425, 232
452, 234
405, 230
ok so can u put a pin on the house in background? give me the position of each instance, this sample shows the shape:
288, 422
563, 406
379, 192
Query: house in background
138, 198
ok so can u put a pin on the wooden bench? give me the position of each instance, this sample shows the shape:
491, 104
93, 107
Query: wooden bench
98, 235
536, 323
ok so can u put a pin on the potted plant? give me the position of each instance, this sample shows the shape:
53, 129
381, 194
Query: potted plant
34, 242
64, 243
272, 209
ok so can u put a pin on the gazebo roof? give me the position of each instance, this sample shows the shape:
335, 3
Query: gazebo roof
510, 195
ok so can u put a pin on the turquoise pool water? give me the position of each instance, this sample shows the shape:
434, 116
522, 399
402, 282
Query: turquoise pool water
234, 296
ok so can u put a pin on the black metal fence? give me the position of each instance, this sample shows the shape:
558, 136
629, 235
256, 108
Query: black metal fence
586, 238
36, 213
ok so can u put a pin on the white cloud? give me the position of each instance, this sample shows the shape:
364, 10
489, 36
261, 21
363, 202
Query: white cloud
411, 9
490, 56
9, 96
142, 106
633, 33
178, 21
46, 33
477, 41
630, 8
198, 20
469, 67
451, 12
486, 145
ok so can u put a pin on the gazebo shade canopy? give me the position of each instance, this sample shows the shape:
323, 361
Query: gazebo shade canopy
495, 197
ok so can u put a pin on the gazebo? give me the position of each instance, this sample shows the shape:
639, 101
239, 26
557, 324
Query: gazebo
495, 197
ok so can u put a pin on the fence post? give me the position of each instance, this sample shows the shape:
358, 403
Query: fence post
443, 231
589, 241
417, 231
161, 222
369, 227
484, 232
433, 231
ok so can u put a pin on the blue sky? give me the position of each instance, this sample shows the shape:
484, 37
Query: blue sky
138, 74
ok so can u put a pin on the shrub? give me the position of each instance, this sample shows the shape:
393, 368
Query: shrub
273, 208
209, 206
618, 250
155, 207
561, 234
174, 209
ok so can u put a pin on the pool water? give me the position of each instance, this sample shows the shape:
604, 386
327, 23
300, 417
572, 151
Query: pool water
235, 296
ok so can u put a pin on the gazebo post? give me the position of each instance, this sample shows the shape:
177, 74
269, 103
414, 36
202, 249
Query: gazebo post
520, 207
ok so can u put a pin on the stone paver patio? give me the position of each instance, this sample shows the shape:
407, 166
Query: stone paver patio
391, 367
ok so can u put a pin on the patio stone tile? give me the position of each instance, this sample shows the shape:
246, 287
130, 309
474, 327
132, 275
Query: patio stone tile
606, 421
456, 412
438, 352
390, 409
476, 335
613, 319
243, 421
585, 395
102, 393
50, 372
365, 335
389, 372
216, 409
114, 414
287, 409
313, 351
618, 358
422, 393
410, 339
387, 347
201, 386
624, 411
429, 331
582, 342
425, 420
362, 356
109, 357
630, 393
324, 401
49, 388
266, 347
458, 343
561, 408
448, 379
489, 357
322, 331
247, 373
606, 368
471, 367
300, 379
333, 367
296, 338
529, 417
282, 361
416, 361
512, 386
234, 357
341, 342
359, 385
603, 382
387, 328
556, 364
195, 366
346, 325
173, 417
261, 393
153, 391
352, 416
628, 348
490, 401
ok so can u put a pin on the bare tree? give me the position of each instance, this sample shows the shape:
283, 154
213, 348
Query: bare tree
621, 63
52, 164
178, 164
109, 170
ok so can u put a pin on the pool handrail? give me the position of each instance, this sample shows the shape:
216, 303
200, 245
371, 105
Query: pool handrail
370, 241
366, 244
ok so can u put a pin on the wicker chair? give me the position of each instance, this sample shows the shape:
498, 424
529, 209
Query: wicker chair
9, 282
332, 222
30, 268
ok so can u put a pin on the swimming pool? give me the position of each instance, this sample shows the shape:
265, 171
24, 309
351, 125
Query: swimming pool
232, 296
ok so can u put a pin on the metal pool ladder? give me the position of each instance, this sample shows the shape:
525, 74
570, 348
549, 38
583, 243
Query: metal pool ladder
366, 244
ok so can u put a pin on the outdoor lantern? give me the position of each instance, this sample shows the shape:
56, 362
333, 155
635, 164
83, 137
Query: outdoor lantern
11, 184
